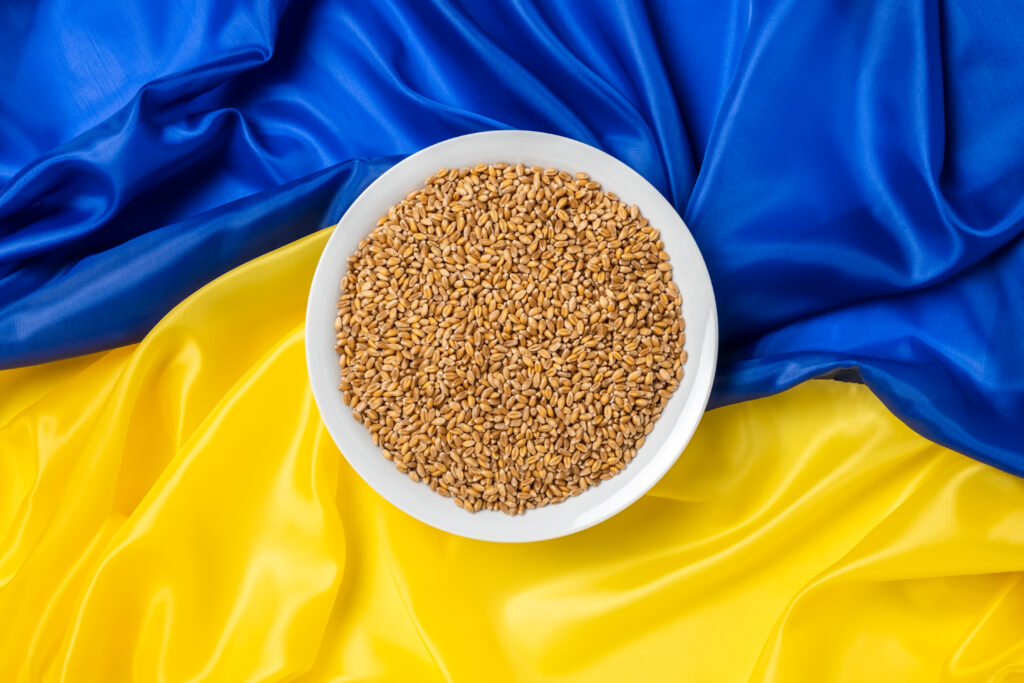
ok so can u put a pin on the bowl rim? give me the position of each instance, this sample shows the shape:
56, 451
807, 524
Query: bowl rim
658, 463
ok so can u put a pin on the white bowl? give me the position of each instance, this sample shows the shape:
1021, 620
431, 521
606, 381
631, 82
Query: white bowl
678, 420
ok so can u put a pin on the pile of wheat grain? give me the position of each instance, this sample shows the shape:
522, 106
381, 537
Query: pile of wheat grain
509, 335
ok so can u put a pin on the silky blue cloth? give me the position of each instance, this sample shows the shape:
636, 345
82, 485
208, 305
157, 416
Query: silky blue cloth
853, 171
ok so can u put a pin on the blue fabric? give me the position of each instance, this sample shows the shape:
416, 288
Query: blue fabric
853, 171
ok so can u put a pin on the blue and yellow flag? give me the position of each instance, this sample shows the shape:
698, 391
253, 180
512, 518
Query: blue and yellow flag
171, 508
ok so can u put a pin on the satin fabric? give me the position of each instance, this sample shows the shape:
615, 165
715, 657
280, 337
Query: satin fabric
175, 511
853, 171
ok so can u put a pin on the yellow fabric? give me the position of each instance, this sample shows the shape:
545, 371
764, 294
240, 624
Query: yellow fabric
174, 511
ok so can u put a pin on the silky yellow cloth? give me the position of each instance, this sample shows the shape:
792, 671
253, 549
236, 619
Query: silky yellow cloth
174, 511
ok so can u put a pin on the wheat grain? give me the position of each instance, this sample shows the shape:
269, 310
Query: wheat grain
509, 335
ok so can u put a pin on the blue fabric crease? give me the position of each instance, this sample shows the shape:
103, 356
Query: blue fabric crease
853, 171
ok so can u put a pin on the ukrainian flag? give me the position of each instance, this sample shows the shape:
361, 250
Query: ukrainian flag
851, 509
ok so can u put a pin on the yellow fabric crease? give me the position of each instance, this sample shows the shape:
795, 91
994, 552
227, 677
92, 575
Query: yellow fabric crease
174, 511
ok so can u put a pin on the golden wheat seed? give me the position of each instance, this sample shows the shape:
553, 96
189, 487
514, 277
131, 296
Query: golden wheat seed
509, 335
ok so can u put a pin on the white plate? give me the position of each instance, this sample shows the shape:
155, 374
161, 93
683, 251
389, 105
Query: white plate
678, 420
